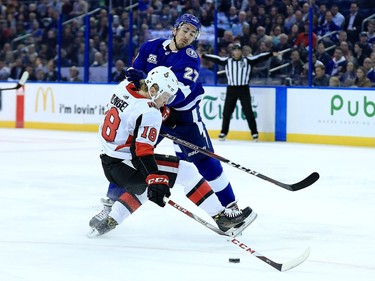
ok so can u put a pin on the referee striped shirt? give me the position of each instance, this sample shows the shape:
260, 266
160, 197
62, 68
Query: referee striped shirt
238, 71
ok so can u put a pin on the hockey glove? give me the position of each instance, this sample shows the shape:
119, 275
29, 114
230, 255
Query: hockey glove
134, 75
158, 187
169, 116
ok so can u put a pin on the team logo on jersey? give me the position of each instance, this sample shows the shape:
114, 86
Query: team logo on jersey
191, 53
152, 58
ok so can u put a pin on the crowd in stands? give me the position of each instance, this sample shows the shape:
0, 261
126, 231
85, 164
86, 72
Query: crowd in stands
343, 42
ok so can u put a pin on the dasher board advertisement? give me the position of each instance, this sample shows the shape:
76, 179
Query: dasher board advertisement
333, 114
263, 104
66, 103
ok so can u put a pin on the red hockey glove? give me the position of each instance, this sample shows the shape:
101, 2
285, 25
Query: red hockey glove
158, 187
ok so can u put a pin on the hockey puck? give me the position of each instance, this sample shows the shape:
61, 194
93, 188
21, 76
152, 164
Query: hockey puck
233, 260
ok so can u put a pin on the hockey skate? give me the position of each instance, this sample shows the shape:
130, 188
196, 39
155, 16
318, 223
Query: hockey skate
103, 214
104, 226
222, 137
234, 221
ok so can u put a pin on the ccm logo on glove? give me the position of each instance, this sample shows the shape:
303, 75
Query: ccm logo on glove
157, 179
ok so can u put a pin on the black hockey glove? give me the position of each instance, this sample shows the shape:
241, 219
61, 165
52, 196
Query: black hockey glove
158, 188
169, 116
134, 75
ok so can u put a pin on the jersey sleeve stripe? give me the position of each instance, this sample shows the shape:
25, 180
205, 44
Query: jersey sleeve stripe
143, 149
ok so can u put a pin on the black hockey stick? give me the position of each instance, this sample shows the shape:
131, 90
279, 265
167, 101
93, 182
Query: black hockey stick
20, 83
291, 187
279, 266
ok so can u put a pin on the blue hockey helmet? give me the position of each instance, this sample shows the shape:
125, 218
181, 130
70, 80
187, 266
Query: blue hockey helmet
190, 19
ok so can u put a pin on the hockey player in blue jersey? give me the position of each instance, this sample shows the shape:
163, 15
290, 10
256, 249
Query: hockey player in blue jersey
182, 116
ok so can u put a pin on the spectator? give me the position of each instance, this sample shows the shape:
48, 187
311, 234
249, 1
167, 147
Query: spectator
51, 74
299, 20
367, 65
237, 28
293, 34
346, 51
245, 37
40, 75
321, 79
98, 60
17, 69
295, 68
119, 74
347, 79
321, 15
73, 75
4, 71
343, 37
253, 42
371, 72
363, 41
30, 69
315, 63
276, 35
290, 18
305, 11
353, 23
338, 64
328, 27
302, 40
226, 39
371, 31
261, 33
358, 55
361, 80
334, 81
337, 17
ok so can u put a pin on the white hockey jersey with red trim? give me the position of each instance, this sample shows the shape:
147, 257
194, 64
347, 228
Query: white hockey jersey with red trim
131, 124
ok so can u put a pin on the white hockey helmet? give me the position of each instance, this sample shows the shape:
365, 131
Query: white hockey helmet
164, 78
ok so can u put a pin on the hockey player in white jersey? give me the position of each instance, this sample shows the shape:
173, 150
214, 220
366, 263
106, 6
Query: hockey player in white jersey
182, 115
128, 136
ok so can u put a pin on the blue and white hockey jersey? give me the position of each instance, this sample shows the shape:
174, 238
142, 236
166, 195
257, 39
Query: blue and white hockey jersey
185, 63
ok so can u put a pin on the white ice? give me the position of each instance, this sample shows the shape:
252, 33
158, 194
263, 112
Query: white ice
51, 183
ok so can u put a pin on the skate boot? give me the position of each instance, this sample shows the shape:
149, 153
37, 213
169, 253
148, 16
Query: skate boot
107, 207
234, 208
234, 222
104, 226
222, 137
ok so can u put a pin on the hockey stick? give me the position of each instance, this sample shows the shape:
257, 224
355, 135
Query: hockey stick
291, 187
195, 217
279, 266
232, 233
20, 83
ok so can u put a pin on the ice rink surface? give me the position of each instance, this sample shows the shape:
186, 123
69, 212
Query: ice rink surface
51, 183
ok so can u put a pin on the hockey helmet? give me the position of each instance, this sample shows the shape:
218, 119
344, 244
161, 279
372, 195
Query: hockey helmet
190, 19
165, 79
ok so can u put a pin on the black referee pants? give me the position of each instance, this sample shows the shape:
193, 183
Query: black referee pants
233, 94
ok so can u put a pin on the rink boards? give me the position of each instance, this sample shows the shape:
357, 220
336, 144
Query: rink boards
296, 114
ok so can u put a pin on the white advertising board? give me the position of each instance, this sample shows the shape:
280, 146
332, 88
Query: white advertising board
263, 103
66, 103
331, 112
7, 103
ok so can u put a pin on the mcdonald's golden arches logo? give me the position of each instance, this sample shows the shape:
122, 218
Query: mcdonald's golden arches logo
45, 93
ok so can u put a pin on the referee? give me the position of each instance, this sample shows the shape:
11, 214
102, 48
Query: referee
238, 70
